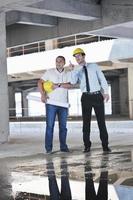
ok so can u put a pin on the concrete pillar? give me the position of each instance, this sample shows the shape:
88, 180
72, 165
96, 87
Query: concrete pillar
124, 101
11, 95
51, 44
24, 104
4, 106
130, 91
131, 155
115, 96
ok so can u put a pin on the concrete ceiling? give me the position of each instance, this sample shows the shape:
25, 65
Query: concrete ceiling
100, 17
32, 20
41, 12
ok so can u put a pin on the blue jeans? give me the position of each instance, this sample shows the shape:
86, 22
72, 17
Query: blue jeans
65, 192
62, 113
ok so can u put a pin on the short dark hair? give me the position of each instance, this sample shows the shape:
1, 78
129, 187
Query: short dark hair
62, 57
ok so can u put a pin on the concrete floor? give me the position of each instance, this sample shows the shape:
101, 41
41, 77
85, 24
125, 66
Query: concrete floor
25, 166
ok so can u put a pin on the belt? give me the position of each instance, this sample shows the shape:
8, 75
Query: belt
91, 93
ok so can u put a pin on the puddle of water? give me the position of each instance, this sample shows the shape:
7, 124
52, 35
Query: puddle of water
80, 178
30, 196
77, 177
55, 187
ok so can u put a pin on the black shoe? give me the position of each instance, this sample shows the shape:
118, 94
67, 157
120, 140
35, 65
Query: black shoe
86, 150
106, 149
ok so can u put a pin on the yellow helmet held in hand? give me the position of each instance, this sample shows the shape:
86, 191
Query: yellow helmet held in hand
48, 86
77, 51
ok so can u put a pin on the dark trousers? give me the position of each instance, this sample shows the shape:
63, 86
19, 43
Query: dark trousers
90, 193
88, 102
65, 193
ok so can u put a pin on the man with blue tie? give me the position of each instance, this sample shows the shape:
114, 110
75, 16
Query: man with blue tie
94, 89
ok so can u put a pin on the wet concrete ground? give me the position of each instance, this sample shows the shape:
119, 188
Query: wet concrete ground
26, 172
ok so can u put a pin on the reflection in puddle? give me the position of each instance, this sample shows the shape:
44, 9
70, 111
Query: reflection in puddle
70, 177
30, 196
65, 191
102, 191
69, 181
5, 183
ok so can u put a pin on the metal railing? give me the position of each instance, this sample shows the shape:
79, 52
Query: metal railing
61, 42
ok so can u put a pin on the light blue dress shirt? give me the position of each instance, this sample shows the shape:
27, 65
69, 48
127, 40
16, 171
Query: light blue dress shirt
96, 77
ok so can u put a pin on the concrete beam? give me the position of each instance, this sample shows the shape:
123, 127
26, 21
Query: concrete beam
37, 19
7, 3
13, 17
80, 10
123, 30
117, 19
116, 13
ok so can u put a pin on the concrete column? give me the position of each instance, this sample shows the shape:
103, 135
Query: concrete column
24, 104
115, 96
130, 91
51, 44
124, 100
11, 95
4, 106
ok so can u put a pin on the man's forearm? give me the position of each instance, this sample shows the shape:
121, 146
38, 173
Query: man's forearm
67, 85
40, 87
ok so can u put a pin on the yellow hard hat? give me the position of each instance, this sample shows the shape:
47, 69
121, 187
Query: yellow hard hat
48, 86
77, 51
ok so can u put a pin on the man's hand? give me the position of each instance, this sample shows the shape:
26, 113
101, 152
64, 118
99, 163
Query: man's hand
44, 98
71, 66
106, 97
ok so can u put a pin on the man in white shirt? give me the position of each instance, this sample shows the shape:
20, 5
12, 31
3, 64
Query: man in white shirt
56, 103
94, 89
